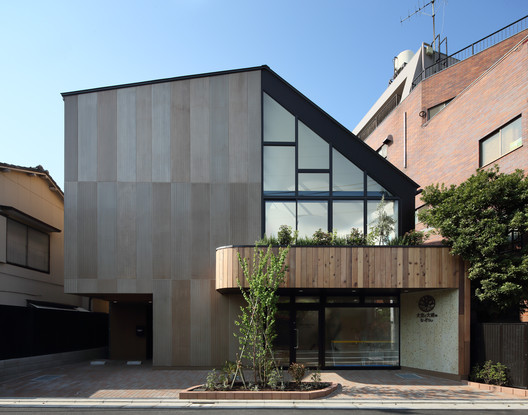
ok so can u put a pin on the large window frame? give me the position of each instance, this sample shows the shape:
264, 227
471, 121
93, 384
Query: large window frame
498, 136
298, 196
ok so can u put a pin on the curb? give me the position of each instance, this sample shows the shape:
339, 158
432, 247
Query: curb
227, 404
508, 390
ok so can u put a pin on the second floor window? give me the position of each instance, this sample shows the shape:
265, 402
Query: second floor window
501, 142
27, 247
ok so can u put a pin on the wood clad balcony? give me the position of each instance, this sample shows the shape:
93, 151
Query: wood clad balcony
352, 267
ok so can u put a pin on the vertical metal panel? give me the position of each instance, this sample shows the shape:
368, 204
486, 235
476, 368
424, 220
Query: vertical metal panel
162, 322
220, 218
144, 231
126, 230
126, 135
254, 212
181, 230
238, 128
87, 135
181, 131
144, 133
87, 229
219, 128
239, 213
161, 227
200, 322
200, 231
254, 136
107, 136
106, 230
70, 230
181, 326
220, 334
161, 138
200, 143
71, 130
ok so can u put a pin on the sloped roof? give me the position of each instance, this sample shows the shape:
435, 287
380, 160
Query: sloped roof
38, 170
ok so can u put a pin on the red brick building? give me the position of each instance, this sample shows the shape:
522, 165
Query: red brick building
470, 115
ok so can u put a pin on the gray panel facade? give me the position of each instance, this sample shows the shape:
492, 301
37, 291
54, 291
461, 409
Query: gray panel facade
159, 176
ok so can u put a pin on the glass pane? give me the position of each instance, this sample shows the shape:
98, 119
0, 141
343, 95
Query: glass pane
337, 300
307, 338
279, 124
312, 149
347, 178
310, 299
279, 169
375, 189
314, 184
38, 250
511, 136
16, 243
348, 215
277, 214
282, 341
362, 336
490, 149
381, 300
311, 216
391, 209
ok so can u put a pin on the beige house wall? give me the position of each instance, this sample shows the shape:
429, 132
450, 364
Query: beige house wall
30, 193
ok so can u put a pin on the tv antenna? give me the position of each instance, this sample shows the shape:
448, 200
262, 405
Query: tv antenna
419, 10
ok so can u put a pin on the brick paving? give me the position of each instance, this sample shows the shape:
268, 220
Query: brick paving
117, 380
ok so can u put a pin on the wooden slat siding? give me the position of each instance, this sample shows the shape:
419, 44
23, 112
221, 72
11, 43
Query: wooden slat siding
353, 267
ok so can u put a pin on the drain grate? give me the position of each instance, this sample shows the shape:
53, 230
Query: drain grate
408, 376
46, 378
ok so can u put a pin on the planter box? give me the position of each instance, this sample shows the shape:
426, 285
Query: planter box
192, 393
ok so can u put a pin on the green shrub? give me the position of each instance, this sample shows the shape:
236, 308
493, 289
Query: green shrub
321, 237
297, 371
411, 238
356, 237
491, 374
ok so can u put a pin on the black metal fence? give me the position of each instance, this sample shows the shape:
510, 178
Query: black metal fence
506, 343
28, 331
474, 48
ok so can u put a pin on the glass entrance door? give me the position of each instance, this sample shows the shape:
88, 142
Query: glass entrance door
306, 330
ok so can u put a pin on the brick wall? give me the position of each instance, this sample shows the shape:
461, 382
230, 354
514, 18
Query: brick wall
446, 148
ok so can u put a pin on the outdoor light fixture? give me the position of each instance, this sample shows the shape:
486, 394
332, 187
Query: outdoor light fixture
422, 113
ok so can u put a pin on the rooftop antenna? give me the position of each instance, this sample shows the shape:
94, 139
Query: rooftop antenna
419, 10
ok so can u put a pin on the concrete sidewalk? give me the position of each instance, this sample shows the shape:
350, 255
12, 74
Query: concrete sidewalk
117, 385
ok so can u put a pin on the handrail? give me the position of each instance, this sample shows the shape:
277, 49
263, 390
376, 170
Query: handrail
476, 47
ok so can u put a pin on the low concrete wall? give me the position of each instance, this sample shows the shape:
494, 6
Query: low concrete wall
10, 367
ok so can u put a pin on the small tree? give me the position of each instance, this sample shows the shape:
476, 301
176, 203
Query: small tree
257, 320
480, 220
380, 232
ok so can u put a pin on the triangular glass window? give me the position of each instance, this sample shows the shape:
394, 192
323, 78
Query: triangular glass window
347, 177
279, 124
375, 189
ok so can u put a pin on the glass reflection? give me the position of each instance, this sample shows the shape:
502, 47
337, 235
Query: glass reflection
277, 214
391, 209
279, 169
347, 178
313, 150
279, 124
348, 215
312, 216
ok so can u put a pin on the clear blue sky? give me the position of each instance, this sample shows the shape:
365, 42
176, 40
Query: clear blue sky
338, 53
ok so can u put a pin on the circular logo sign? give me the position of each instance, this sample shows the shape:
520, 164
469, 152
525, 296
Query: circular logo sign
426, 303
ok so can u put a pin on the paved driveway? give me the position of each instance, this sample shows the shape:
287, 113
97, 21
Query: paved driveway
117, 380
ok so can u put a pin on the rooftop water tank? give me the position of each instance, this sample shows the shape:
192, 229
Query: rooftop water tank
402, 58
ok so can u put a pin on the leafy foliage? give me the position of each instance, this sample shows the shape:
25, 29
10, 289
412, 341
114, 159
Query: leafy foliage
356, 237
476, 219
297, 372
257, 319
411, 238
379, 233
491, 374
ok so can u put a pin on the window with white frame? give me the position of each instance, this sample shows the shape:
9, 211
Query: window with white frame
501, 142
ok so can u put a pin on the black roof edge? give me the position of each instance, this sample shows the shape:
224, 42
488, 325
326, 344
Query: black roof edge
163, 80
341, 126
